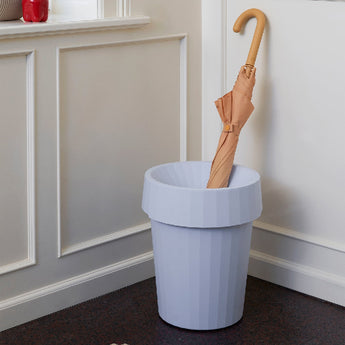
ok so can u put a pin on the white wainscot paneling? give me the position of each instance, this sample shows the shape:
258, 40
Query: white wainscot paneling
17, 209
118, 115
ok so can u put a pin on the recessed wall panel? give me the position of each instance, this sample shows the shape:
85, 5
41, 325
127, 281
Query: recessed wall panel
13, 158
119, 115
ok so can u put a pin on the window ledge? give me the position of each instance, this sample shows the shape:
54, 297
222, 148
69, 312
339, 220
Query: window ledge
61, 25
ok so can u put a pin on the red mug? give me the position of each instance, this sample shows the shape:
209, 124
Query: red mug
35, 10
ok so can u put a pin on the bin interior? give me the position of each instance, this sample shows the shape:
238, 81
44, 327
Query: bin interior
195, 175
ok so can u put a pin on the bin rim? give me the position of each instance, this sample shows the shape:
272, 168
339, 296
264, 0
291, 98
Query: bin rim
196, 207
151, 179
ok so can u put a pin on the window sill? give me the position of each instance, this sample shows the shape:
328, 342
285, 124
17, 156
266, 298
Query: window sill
60, 25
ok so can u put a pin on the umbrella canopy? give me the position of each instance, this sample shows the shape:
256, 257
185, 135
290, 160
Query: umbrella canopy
235, 107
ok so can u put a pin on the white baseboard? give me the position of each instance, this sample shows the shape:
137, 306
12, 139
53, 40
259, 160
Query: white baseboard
300, 278
319, 272
63, 294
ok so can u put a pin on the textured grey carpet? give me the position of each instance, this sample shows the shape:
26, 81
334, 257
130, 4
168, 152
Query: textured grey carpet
272, 316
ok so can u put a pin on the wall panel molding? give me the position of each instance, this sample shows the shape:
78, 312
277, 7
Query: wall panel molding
30, 162
116, 235
120, 233
60, 295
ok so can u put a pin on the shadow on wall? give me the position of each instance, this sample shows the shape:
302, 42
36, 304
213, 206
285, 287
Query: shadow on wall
262, 121
281, 204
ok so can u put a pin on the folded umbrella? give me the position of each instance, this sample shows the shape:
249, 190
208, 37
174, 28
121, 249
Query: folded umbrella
235, 107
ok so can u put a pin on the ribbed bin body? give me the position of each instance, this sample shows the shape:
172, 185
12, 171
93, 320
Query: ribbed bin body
201, 242
201, 274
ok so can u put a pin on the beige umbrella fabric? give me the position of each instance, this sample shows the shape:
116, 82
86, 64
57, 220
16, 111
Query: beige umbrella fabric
235, 107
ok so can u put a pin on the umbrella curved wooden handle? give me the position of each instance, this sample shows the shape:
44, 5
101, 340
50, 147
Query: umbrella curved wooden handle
260, 26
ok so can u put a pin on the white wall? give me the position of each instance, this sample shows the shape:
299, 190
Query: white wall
294, 138
84, 114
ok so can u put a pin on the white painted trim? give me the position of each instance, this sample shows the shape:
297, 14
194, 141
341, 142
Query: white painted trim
18, 265
183, 99
315, 240
127, 8
119, 8
100, 9
104, 239
123, 8
214, 62
30, 164
77, 280
30, 118
118, 234
54, 297
59, 25
298, 277
58, 155
163, 38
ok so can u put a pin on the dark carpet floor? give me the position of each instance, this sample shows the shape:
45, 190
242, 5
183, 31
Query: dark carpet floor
272, 315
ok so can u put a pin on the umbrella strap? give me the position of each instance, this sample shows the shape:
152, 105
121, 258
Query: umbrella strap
231, 128
249, 68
